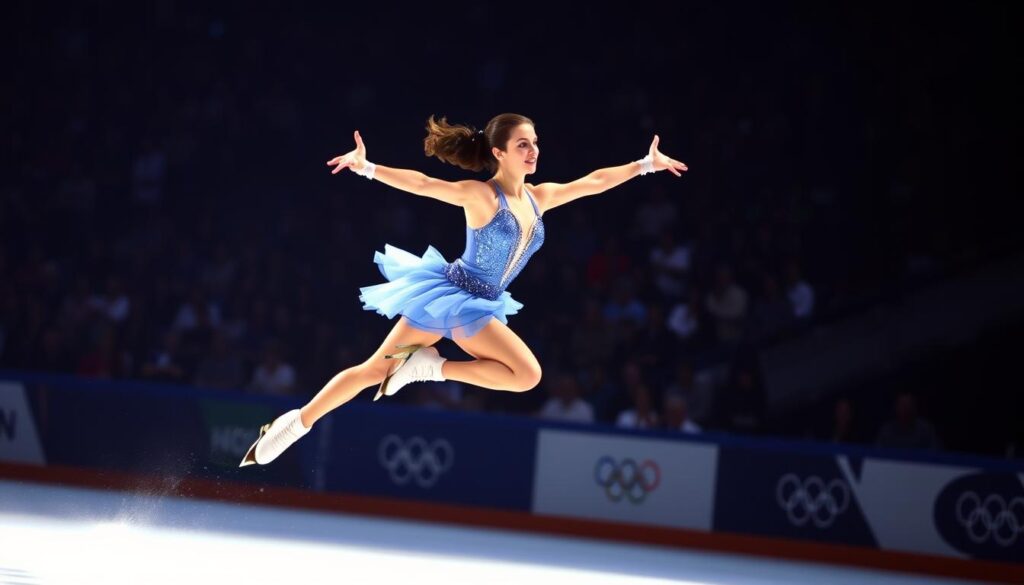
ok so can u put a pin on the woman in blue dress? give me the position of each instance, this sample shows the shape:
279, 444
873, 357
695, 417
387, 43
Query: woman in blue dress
464, 300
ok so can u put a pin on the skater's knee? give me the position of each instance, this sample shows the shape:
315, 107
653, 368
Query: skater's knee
372, 371
527, 377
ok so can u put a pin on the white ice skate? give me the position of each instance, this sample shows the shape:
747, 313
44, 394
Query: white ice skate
274, 438
419, 364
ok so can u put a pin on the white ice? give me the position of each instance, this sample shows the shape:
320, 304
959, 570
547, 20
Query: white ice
52, 535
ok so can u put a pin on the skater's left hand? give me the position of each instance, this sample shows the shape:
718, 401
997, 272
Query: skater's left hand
662, 162
355, 159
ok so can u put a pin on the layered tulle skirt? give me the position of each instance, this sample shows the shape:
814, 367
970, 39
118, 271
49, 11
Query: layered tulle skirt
418, 289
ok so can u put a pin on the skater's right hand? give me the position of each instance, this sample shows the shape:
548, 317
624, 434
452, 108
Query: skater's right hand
355, 159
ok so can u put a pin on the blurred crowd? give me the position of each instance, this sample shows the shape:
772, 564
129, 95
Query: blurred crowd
165, 219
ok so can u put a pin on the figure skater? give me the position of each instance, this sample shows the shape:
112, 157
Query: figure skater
464, 300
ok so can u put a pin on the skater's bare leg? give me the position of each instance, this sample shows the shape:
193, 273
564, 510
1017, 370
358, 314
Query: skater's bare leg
348, 383
503, 361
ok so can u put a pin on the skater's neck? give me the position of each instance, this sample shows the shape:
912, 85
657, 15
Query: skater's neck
513, 186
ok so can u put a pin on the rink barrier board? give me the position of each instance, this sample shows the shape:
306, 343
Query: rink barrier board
292, 498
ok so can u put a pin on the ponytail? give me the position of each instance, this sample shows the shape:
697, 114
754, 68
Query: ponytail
459, 145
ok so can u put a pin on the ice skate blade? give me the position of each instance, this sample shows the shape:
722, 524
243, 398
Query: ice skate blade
250, 455
407, 351
383, 386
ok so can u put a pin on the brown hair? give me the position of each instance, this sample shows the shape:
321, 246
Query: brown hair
467, 147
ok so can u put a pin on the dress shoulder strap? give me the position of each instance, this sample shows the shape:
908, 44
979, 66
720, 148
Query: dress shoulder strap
536, 209
501, 194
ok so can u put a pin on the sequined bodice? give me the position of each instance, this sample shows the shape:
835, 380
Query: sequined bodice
497, 252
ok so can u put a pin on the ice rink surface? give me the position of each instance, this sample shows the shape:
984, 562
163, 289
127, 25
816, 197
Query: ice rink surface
52, 535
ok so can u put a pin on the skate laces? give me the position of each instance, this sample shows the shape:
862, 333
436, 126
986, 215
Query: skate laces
286, 436
422, 371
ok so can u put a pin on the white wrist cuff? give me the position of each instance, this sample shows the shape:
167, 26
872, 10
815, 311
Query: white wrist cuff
367, 171
646, 164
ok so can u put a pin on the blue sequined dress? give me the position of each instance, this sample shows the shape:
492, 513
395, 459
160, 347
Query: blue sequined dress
457, 299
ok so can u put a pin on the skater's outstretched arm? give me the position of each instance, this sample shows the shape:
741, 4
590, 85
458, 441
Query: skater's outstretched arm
551, 195
415, 182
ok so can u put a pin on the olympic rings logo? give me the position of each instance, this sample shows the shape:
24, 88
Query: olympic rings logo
992, 518
415, 459
812, 499
627, 479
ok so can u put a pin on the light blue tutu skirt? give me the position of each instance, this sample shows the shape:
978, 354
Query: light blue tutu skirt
418, 289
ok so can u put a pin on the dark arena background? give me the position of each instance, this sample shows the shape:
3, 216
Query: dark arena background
797, 363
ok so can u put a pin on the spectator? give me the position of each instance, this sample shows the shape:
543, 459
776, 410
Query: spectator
283, 326
197, 339
843, 423
565, 291
148, 170
727, 304
234, 322
114, 303
655, 346
219, 274
76, 198
221, 368
625, 307
188, 316
581, 240
53, 354
676, 416
607, 266
772, 312
165, 364
273, 375
641, 415
799, 291
565, 403
698, 396
632, 374
670, 262
740, 404
684, 318
654, 215
76, 309
256, 329
907, 430
591, 342
319, 363
105, 359
601, 392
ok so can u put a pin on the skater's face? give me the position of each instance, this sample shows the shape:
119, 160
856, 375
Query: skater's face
521, 151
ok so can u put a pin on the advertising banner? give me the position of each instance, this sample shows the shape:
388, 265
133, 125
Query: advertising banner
942, 509
154, 430
777, 493
19, 441
625, 478
458, 459
905, 506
